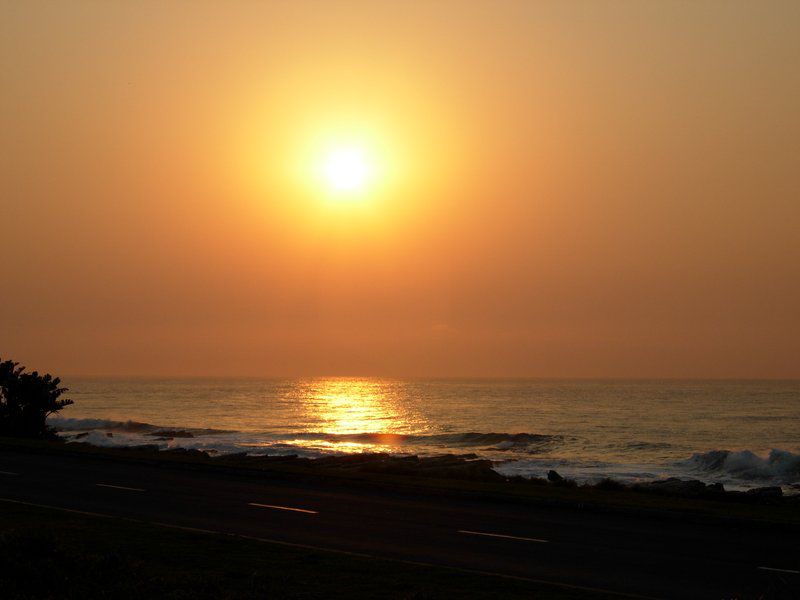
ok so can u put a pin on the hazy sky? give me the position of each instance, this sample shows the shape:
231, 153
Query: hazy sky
559, 188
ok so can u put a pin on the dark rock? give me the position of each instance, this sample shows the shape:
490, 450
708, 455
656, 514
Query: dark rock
144, 447
673, 485
109, 434
608, 484
464, 469
519, 479
186, 452
446, 466
413, 458
565, 483
536, 481
766, 492
278, 458
716, 488
445, 460
350, 460
553, 477
736, 495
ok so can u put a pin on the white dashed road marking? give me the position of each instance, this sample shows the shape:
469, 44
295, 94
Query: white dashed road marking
500, 535
119, 487
276, 507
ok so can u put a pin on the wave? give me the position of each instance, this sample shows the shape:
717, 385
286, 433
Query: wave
500, 439
135, 427
68, 424
638, 445
471, 439
503, 442
780, 465
213, 445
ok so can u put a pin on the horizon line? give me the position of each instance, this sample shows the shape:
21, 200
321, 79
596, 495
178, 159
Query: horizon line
436, 377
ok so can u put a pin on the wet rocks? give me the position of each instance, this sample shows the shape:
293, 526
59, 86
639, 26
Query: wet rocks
186, 452
447, 466
557, 480
714, 491
608, 484
765, 492
676, 486
143, 448
276, 458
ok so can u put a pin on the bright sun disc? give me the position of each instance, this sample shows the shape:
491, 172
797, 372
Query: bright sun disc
346, 170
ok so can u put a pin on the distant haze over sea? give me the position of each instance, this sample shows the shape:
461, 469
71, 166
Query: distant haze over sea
741, 433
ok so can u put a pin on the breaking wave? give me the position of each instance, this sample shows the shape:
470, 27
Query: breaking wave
66, 424
128, 432
779, 466
133, 427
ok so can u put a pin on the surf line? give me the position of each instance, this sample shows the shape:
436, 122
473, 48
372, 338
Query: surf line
500, 535
289, 508
120, 487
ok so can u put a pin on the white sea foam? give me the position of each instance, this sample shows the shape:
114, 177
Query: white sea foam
779, 466
736, 470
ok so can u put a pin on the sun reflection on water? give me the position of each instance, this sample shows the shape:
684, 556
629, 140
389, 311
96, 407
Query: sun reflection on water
355, 414
352, 407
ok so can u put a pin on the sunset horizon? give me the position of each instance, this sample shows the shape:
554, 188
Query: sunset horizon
389, 300
497, 198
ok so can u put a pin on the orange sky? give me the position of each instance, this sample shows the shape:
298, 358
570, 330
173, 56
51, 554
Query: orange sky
565, 189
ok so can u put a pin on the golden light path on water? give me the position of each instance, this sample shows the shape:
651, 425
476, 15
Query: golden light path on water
358, 414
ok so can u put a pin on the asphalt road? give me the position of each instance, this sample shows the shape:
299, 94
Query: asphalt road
650, 556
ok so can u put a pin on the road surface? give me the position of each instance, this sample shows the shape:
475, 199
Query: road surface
651, 556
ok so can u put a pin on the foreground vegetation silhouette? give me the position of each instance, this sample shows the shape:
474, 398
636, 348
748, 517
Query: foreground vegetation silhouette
26, 400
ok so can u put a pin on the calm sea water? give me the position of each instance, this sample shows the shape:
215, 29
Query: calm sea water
742, 433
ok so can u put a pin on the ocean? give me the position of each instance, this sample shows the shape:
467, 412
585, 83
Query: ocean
743, 434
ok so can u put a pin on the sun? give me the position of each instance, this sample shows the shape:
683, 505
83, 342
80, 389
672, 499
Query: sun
347, 170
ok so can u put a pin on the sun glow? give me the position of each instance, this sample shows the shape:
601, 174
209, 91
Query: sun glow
334, 172
346, 169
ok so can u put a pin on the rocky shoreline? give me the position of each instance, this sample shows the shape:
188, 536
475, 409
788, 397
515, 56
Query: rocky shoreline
470, 467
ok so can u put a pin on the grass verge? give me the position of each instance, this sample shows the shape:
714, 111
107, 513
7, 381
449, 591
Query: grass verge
54, 554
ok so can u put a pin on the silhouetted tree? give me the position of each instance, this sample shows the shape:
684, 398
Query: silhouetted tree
26, 400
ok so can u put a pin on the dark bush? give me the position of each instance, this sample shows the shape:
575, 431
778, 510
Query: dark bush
26, 400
